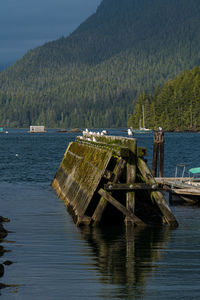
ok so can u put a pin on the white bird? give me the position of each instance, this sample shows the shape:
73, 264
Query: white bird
160, 128
130, 133
86, 130
94, 140
104, 131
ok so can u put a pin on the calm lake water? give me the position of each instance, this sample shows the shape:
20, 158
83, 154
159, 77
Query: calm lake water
53, 259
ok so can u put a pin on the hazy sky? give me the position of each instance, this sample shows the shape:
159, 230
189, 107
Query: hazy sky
26, 24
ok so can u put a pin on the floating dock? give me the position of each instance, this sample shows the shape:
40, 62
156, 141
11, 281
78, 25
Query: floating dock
181, 190
105, 180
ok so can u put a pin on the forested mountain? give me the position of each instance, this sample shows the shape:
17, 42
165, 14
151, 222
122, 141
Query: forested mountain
93, 77
174, 106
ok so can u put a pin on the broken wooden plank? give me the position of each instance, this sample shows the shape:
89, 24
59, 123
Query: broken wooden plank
97, 215
120, 207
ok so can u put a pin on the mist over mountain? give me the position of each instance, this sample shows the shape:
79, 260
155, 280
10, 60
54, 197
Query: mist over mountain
93, 77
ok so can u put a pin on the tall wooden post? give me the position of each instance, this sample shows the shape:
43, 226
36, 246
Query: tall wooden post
155, 155
161, 154
158, 154
130, 177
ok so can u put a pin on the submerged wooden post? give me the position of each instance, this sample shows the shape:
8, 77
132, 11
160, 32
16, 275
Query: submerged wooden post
158, 154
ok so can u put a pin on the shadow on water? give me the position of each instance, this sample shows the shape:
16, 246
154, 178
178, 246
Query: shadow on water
126, 257
3, 234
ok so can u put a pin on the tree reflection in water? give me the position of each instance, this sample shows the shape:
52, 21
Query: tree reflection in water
125, 257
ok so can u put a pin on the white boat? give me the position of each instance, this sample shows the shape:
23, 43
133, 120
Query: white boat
142, 129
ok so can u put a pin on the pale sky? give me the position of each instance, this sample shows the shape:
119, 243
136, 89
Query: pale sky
26, 24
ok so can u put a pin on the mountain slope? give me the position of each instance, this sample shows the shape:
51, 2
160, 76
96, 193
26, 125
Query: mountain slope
174, 106
93, 77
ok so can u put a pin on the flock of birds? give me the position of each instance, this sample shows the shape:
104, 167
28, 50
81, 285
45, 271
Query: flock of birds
91, 135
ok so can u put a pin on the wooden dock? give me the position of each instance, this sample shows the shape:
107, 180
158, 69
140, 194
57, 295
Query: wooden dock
105, 180
181, 190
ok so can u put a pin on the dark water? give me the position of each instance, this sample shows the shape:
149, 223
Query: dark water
52, 259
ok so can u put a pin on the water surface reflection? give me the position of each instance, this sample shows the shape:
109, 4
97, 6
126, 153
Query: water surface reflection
125, 257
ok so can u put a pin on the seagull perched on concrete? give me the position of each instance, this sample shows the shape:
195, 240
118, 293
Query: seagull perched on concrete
130, 132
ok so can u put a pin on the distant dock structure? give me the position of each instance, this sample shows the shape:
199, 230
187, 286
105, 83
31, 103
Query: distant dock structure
36, 129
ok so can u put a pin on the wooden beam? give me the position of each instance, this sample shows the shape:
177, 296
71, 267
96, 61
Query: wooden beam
158, 153
191, 191
158, 197
97, 215
161, 159
130, 186
155, 159
119, 170
130, 178
120, 207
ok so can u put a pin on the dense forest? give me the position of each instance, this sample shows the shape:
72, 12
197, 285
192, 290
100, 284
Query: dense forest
93, 77
174, 106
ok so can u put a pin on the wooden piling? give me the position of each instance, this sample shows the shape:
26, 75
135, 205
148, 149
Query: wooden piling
158, 154
131, 176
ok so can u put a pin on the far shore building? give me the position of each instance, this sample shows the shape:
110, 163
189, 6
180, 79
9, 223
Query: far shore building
37, 129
